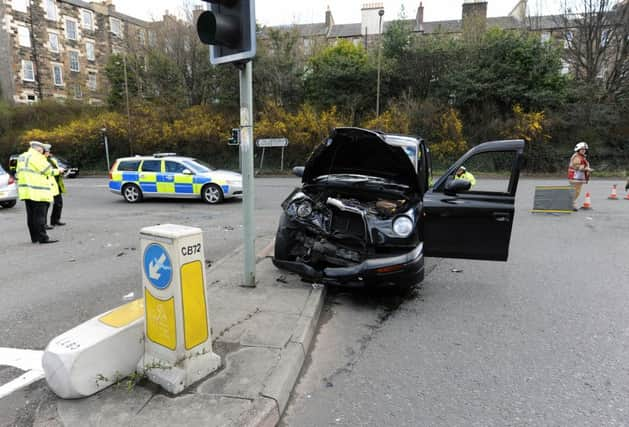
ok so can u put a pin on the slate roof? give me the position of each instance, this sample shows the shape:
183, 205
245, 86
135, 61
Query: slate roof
127, 18
449, 26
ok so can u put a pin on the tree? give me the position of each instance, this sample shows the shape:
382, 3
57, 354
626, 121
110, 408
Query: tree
597, 43
507, 68
279, 68
342, 76
118, 85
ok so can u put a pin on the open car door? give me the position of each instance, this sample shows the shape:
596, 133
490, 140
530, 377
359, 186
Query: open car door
472, 217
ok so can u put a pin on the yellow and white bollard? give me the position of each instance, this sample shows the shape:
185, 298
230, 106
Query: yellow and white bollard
178, 342
95, 354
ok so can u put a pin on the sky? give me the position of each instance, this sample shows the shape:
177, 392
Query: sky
286, 12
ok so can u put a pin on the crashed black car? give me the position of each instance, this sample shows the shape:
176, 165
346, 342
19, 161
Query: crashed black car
367, 214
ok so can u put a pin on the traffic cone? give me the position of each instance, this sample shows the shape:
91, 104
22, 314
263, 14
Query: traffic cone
614, 195
587, 204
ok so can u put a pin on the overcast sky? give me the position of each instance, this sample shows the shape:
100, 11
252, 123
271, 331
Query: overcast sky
284, 12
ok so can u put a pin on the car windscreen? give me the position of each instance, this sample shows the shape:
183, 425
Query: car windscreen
198, 166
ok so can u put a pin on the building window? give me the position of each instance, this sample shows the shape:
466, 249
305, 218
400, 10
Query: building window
604, 38
57, 74
89, 51
53, 40
74, 60
51, 10
24, 36
545, 37
565, 67
28, 72
78, 92
152, 38
91, 82
87, 19
71, 29
569, 36
20, 5
142, 37
116, 26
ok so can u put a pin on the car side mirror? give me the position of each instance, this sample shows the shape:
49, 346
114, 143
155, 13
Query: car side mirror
298, 171
454, 186
187, 172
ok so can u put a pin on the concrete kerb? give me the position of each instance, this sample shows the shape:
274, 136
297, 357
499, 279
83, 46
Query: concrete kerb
281, 382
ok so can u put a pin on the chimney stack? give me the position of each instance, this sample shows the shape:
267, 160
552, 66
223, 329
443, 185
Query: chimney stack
420, 18
370, 18
474, 18
329, 20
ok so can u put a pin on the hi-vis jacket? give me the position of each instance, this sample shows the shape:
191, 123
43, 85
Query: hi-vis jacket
56, 182
32, 174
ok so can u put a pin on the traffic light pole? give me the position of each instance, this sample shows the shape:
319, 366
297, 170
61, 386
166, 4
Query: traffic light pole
246, 159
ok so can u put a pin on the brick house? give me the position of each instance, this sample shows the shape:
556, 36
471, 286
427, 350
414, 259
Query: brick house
59, 48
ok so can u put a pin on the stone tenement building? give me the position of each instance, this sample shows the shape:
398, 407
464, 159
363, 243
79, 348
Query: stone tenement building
59, 48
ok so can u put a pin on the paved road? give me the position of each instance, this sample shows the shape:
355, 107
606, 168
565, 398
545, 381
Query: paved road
541, 340
48, 289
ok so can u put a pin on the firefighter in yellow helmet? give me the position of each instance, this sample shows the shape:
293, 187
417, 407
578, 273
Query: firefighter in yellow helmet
34, 188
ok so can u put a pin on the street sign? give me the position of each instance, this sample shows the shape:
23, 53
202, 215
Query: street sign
157, 266
272, 142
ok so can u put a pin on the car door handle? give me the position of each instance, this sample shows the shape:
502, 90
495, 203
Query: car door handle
501, 217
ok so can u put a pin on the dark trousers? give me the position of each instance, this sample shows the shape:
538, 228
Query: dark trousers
57, 205
36, 220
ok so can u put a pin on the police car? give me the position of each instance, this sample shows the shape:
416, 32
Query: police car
169, 175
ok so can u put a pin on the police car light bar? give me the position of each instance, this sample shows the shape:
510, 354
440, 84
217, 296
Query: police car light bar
164, 154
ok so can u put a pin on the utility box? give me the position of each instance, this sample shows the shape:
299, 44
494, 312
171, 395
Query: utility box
178, 343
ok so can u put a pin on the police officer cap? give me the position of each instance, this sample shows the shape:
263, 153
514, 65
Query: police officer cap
37, 144
47, 147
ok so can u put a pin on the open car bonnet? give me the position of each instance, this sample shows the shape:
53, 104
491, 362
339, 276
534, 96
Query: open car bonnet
362, 152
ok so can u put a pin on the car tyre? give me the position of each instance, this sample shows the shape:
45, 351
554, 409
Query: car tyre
131, 193
8, 204
212, 194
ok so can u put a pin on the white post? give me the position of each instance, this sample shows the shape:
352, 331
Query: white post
178, 342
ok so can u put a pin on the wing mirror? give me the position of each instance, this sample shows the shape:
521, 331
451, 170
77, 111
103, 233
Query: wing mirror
187, 172
454, 186
298, 171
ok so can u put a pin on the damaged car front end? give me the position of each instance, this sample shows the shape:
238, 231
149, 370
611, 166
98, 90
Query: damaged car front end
355, 220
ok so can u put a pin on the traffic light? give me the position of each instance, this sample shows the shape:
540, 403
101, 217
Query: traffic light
235, 137
229, 27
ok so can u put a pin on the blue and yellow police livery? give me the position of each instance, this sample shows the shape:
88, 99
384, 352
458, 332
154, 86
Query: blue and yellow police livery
169, 175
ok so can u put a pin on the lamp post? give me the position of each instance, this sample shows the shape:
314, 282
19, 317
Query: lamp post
104, 132
380, 13
126, 91
452, 99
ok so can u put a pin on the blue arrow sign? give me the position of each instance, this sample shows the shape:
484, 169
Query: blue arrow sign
157, 266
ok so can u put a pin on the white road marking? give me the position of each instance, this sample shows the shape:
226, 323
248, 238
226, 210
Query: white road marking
26, 360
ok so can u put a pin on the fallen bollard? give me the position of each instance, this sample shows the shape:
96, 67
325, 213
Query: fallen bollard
97, 353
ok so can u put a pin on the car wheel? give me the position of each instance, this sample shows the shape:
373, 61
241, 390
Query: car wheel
8, 204
282, 241
131, 193
212, 194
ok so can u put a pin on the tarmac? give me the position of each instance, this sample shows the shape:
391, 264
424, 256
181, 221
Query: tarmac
262, 335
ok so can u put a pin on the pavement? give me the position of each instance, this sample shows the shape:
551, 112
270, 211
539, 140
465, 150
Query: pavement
262, 335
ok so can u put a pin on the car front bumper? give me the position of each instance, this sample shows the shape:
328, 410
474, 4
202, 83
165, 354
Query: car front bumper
404, 268
8, 193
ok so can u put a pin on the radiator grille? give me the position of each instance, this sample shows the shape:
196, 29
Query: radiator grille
348, 223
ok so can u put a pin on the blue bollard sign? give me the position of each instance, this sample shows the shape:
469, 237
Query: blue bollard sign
157, 266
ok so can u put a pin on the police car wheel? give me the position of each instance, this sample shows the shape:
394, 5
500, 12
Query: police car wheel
212, 194
131, 193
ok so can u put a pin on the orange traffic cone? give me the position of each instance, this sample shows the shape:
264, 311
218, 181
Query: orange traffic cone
587, 204
614, 195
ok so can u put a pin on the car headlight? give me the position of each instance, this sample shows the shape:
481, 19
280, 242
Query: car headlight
235, 183
304, 209
403, 226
